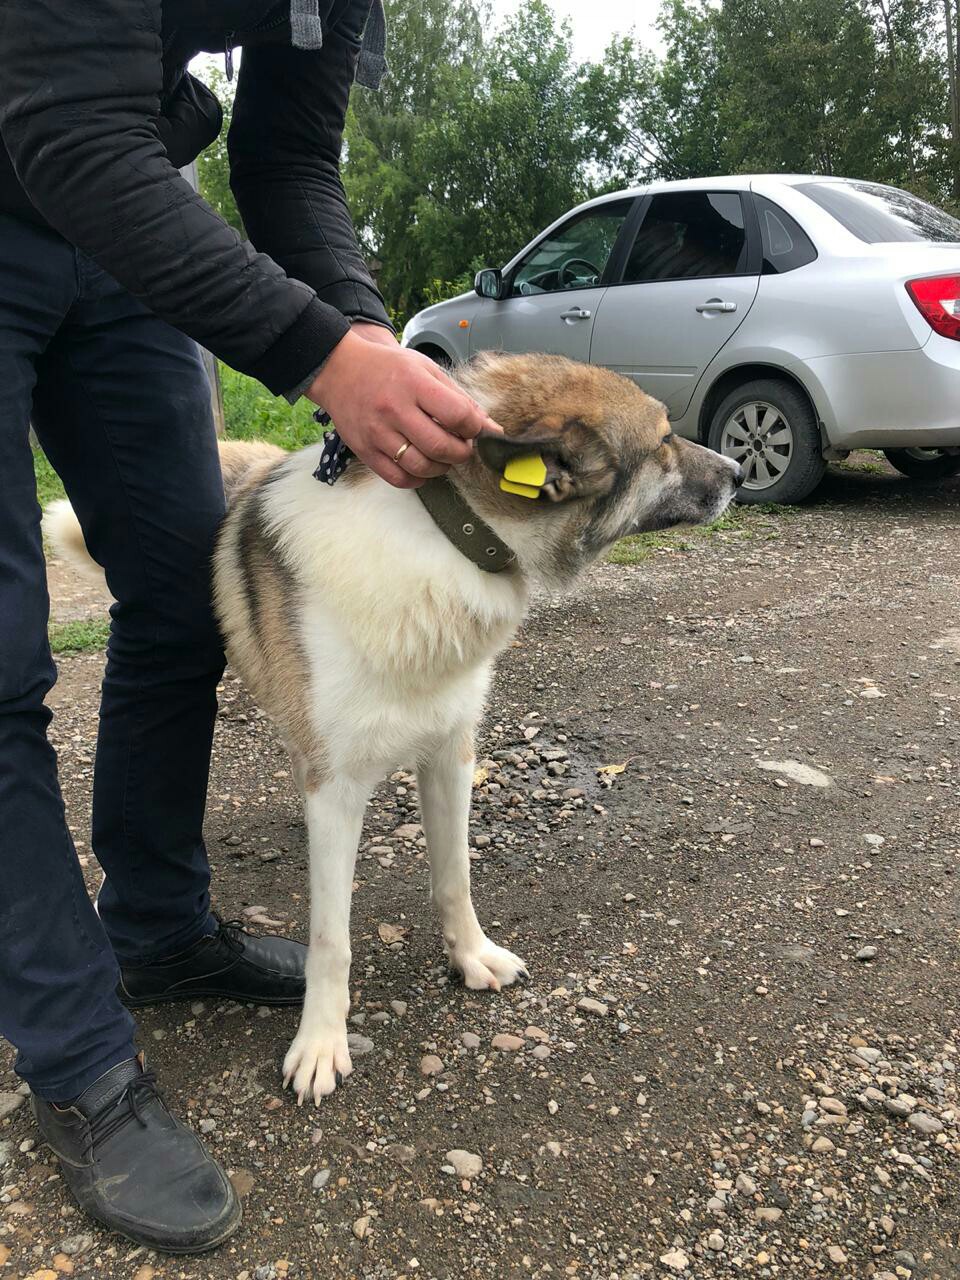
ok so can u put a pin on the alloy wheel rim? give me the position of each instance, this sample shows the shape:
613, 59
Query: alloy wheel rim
759, 437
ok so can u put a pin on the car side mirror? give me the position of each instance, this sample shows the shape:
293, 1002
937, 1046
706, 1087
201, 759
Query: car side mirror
489, 282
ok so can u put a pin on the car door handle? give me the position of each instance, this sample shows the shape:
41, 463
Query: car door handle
716, 304
576, 313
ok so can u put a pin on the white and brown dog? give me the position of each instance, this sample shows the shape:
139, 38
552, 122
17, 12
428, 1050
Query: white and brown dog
365, 621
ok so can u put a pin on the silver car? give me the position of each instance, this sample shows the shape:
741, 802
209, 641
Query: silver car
783, 320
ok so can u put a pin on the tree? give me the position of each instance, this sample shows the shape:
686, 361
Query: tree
511, 153
213, 167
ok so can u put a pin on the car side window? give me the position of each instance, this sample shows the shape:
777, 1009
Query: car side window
786, 245
575, 255
689, 234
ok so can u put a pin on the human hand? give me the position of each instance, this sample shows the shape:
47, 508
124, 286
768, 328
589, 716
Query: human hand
383, 397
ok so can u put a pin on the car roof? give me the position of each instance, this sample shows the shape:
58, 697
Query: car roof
731, 181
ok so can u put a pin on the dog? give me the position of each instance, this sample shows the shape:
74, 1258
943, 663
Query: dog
366, 624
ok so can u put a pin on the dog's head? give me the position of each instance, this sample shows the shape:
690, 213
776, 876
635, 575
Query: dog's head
611, 465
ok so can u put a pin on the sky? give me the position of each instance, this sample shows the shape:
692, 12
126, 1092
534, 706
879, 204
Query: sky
595, 21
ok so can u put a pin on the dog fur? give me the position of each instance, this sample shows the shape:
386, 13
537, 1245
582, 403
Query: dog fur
369, 639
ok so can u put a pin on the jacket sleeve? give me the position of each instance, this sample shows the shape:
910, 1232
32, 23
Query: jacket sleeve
80, 87
284, 146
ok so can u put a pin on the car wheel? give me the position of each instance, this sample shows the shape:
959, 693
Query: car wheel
438, 356
924, 464
769, 427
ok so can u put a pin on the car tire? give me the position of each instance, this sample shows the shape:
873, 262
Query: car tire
925, 465
770, 428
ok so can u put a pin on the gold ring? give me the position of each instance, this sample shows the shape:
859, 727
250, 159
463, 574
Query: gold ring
401, 451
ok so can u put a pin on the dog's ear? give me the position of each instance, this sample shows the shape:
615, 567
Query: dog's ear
534, 462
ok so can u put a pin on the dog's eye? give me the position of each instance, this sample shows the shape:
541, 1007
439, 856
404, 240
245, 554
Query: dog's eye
667, 438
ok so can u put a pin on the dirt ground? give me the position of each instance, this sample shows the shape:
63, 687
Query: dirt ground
738, 1052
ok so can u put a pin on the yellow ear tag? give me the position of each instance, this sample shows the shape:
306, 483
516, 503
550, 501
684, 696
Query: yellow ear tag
524, 476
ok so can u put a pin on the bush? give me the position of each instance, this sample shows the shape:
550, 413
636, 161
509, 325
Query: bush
252, 413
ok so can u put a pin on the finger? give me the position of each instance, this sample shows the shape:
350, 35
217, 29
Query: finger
434, 442
441, 376
417, 464
388, 470
452, 409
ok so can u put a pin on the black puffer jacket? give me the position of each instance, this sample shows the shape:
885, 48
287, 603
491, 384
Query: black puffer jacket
97, 113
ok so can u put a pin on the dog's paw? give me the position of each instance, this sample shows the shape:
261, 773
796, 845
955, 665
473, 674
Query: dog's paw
316, 1063
488, 967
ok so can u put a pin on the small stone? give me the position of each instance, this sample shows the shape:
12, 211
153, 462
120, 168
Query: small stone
816, 843
359, 1045
746, 1185
62, 1264
197, 1007
675, 1260
875, 841
361, 1227
320, 1179
836, 1254
822, 1145
897, 1107
506, 1042
6, 1152
767, 1213
470, 1040
9, 1102
430, 1065
870, 1056
243, 1182
399, 1007
716, 1205
409, 831
590, 1005
207, 1126
553, 1107
74, 1245
887, 1225
924, 1123
465, 1163
536, 1033
541, 1051
866, 953
715, 1241
833, 1106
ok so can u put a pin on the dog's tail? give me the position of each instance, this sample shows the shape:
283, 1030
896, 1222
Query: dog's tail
61, 528
242, 463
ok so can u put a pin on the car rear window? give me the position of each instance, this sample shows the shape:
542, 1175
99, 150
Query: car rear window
880, 215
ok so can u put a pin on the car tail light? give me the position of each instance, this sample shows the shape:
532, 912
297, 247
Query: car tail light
938, 300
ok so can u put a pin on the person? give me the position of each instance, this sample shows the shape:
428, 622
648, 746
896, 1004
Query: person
111, 269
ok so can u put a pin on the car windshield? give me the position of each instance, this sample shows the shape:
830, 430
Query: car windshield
879, 214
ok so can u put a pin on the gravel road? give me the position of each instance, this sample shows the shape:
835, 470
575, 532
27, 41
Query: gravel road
716, 812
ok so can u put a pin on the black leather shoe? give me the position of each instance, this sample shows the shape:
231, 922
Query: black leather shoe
137, 1169
230, 964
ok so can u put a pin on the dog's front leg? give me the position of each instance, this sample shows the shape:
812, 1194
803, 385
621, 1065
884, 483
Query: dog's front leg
444, 784
318, 1058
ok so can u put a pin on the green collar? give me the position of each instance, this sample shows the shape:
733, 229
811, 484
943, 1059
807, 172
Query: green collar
455, 518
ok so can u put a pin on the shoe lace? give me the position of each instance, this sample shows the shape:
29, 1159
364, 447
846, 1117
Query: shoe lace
232, 931
119, 1111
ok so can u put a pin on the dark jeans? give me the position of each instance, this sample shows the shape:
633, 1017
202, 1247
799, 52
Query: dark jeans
121, 406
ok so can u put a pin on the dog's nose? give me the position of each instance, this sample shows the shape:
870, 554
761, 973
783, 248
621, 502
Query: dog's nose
738, 475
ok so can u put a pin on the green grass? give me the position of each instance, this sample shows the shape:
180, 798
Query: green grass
252, 413
48, 482
86, 636
740, 522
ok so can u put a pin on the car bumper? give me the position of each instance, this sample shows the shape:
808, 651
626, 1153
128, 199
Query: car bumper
889, 399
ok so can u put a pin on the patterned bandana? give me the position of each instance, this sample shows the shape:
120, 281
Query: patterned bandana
335, 456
